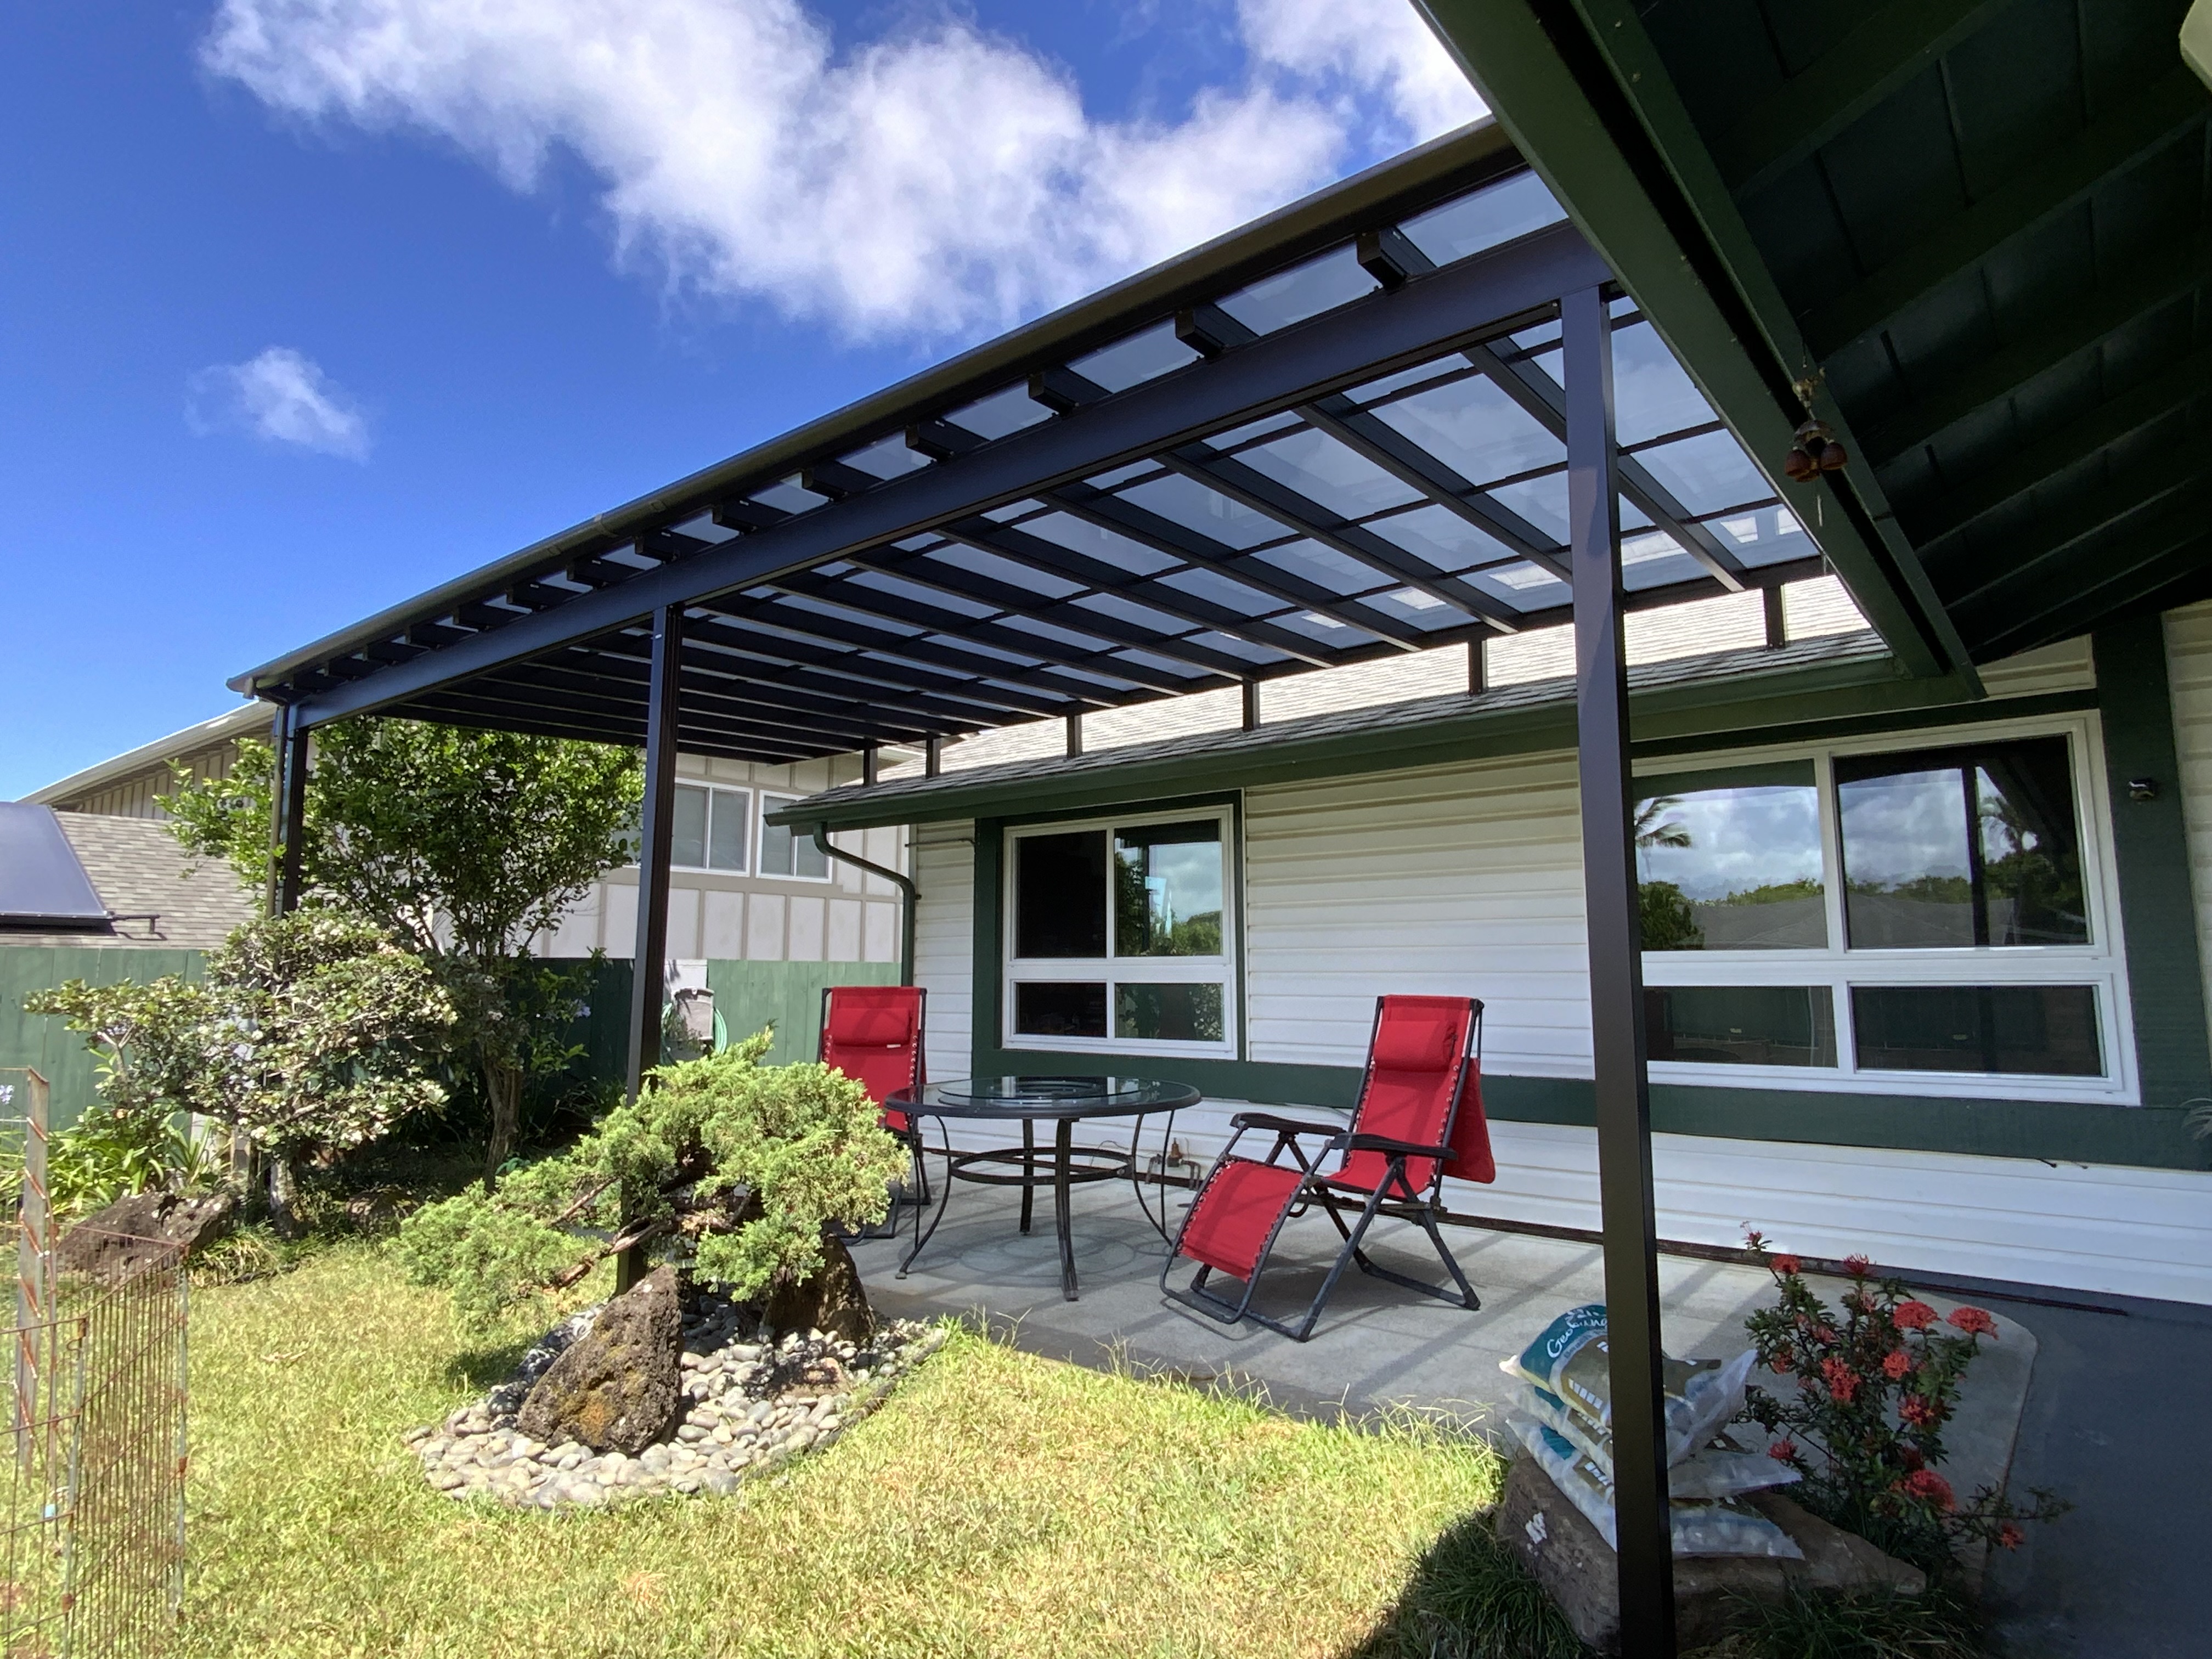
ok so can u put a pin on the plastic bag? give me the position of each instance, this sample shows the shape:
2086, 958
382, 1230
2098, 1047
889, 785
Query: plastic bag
1571, 1362
1700, 1526
1709, 1472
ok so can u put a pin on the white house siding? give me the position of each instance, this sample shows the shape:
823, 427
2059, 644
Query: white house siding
852, 917
944, 942
2189, 675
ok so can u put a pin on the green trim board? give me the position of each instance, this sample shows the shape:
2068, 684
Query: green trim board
2049, 1130
2150, 843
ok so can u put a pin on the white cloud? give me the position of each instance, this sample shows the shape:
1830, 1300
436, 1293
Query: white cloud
282, 397
937, 181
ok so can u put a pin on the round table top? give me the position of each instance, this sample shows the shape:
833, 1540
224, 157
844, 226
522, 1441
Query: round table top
1034, 1096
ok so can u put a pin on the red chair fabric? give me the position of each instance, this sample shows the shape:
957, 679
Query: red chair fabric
872, 1034
1413, 1074
1235, 1213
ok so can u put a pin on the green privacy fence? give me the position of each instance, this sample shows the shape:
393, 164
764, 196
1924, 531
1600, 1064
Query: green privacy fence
44, 1042
747, 994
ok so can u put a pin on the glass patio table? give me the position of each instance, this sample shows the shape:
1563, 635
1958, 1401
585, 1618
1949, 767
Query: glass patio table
1063, 1102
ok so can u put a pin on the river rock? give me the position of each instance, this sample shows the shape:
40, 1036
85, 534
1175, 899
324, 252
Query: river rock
618, 1387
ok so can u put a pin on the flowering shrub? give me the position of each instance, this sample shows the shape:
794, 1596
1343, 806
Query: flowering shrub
1861, 1398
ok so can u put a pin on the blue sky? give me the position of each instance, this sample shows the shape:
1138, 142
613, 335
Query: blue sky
311, 304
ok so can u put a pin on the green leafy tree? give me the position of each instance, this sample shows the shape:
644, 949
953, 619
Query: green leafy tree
464, 844
311, 1029
735, 1167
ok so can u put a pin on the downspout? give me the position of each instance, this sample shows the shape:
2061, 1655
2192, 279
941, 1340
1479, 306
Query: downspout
905, 886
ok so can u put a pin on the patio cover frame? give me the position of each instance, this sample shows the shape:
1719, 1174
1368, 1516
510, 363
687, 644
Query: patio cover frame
638, 627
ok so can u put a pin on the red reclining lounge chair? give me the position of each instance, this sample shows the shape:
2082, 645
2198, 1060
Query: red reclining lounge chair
872, 1034
1419, 1118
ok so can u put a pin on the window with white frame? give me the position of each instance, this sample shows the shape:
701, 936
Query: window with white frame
710, 828
786, 851
1120, 934
1906, 914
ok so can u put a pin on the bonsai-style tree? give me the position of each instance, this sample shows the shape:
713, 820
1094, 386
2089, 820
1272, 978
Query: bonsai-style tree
737, 1170
311, 1029
464, 844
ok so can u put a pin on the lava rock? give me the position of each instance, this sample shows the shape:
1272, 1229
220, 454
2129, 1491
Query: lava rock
618, 1387
146, 1229
833, 1301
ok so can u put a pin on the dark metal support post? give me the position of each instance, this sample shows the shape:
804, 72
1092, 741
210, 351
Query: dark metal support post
1074, 736
871, 762
1251, 705
655, 844
1478, 666
1777, 621
1646, 1561
287, 836
933, 756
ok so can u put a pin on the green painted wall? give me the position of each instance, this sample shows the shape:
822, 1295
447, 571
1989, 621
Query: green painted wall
750, 995
44, 1042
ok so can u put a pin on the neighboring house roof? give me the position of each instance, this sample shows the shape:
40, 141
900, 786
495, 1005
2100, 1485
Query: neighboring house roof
139, 871
250, 720
1691, 698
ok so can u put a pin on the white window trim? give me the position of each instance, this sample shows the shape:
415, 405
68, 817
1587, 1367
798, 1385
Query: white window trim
752, 828
2101, 963
1155, 970
769, 803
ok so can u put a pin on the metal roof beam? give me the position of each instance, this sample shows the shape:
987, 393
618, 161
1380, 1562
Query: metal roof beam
2139, 126
1892, 46
2186, 546
2141, 489
2139, 406
609, 674
742, 682
1383, 331
491, 705
839, 668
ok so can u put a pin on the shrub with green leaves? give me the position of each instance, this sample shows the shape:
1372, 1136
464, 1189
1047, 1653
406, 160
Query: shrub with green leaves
730, 1167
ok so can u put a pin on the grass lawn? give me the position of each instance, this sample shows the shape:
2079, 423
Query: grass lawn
997, 1504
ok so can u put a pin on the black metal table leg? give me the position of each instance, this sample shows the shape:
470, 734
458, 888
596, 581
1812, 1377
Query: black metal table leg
1028, 1169
1063, 1141
921, 1234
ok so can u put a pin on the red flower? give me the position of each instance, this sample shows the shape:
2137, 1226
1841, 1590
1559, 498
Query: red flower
1919, 1411
1895, 1365
2010, 1537
1824, 1333
1913, 1315
1972, 1321
1780, 1365
1930, 1487
1783, 1451
1843, 1381
1857, 1266
1786, 1265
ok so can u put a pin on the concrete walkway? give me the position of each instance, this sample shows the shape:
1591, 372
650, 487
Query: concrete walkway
1377, 1345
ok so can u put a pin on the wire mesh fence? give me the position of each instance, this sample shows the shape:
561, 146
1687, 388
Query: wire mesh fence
92, 1522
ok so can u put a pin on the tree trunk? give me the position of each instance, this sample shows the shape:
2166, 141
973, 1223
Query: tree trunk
503, 1094
284, 1197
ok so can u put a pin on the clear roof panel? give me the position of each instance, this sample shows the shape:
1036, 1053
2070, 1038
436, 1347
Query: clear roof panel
1542, 501
1190, 503
1767, 535
1229, 646
1322, 470
1255, 430
976, 562
1708, 473
1490, 217
1145, 356
1081, 535
900, 588
1001, 413
1290, 296
888, 457
1217, 589
1655, 559
1444, 538
1651, 395
1475, 429
1524, 586
1309, 561
788, 496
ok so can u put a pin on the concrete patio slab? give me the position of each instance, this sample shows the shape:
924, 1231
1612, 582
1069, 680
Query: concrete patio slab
1377, 1345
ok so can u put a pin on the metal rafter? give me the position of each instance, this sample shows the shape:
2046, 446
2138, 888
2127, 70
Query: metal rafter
850, 671
608, 675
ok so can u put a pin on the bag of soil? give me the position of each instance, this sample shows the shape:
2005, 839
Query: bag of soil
1700, 1526
1569, 1360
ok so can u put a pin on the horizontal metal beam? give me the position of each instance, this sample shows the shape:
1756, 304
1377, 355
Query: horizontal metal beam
2046, 185
845, 671
1386, 331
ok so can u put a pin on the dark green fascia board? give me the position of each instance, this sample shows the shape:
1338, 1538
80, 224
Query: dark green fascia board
1709, 713
1639, 184
2136, 128
2151, 1137
2083, 326
1891, 47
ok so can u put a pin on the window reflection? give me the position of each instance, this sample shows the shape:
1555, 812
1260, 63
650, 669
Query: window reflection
2044, 1029
1045, 1009
1057, 883
1741, 1024
1964, 846
1167, 890
1169, 1013
1731, 860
